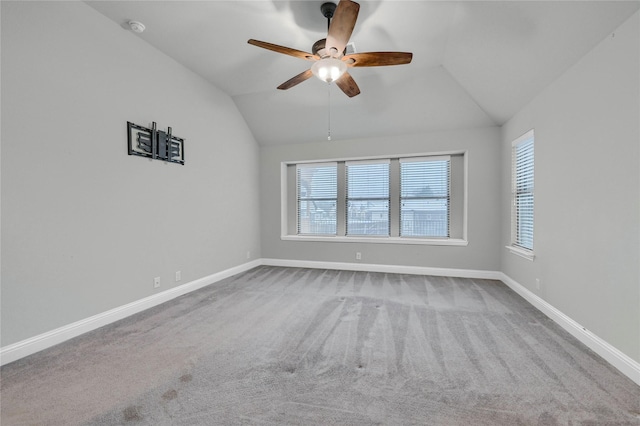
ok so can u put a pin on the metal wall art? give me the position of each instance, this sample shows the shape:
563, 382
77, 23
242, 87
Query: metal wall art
155, 144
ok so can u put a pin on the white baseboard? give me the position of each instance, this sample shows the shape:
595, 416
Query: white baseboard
391, 269
619, 360
613, 356
46, 340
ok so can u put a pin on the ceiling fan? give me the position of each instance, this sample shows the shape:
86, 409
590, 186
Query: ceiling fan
329, 55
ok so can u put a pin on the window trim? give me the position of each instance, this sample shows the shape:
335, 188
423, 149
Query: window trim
522, 252
514, 248
348, 198
446, 158
301, 166
284, 197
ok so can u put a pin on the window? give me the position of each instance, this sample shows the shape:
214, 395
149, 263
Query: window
417, 199
368, 198
316, 200
522, 192
424, 197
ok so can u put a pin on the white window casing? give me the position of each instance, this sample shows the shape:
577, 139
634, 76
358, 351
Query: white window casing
425, 187
367, 198
316, 195
360, 200
522, 196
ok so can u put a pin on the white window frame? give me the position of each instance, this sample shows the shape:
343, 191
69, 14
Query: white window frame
300, 167
515, 247
349, 198
446, 158
285, 196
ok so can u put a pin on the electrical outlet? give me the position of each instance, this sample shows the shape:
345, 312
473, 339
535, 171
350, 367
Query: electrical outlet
538, 283
358, 255
178, 276
156, 282
248, 255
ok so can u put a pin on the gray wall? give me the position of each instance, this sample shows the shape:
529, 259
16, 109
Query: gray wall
483, 147
587, 214
85, 227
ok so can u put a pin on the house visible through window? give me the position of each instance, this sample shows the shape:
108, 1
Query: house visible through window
316, 200
368, 198
424, 197
523, 192
417, 199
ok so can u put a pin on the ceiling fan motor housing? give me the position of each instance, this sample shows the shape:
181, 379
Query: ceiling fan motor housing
318, 46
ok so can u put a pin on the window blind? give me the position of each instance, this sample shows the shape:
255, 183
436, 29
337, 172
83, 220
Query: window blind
523, 190
316, 198
425, 197
367, 198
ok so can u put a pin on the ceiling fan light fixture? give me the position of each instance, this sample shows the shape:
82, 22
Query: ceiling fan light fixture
328, 69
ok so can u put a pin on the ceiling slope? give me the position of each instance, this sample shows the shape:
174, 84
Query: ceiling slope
475, 63
504, 53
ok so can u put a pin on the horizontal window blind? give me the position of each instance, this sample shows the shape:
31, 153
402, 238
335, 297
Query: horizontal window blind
425, 197
523, 191
316, 198
367, 198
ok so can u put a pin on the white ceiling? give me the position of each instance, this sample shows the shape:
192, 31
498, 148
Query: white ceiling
475, 63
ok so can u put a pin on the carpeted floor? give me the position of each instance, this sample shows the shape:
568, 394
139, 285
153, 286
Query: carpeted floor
277, 346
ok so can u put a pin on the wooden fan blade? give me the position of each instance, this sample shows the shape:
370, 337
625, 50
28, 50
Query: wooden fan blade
286, 50
341, 27
348, 85
377, 59
304, 75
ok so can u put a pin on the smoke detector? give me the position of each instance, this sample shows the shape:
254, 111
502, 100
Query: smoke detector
136, 27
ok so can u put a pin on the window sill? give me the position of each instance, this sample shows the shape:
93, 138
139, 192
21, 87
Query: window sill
526, 254
378, 240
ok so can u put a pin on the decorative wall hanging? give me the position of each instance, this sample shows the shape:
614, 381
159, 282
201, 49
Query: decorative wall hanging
155, 144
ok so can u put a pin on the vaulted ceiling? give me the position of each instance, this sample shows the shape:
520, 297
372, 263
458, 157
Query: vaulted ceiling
475, 63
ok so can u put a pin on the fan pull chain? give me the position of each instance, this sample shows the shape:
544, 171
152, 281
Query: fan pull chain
329, 112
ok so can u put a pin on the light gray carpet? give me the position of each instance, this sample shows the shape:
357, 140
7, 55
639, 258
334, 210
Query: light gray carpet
304, 346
